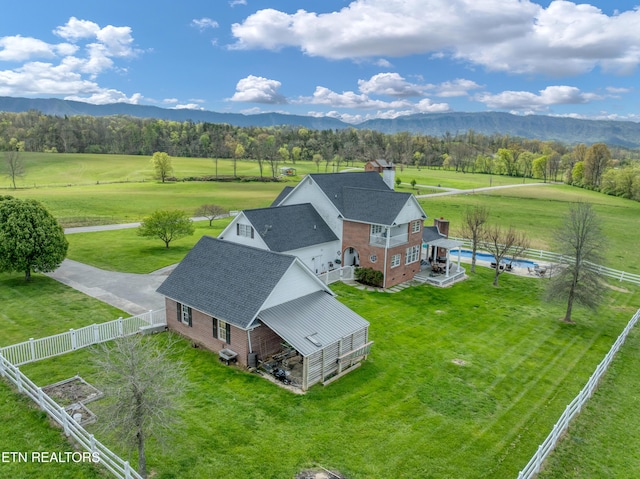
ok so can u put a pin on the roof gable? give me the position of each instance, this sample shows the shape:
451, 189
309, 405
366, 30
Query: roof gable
227, 280
282, 195
287, 228
374, 206
333, 184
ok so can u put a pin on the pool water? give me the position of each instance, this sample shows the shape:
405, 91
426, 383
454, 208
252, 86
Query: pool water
521, 263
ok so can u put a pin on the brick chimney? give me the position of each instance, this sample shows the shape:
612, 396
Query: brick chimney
443, 226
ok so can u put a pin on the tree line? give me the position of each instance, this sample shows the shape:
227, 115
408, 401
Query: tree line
611, 169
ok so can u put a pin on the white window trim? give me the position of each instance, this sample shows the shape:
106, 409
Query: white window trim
413, 254
376, 230
415, 226
396, 259
222, 331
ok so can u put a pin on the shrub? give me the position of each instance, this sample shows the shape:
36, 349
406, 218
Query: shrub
369, 276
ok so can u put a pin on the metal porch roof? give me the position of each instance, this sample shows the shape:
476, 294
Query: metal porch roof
318, 315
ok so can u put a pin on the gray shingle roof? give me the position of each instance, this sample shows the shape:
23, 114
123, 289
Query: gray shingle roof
287, 228
283, 194
373, 206
318, 313
226, 280
333, 184
431, 233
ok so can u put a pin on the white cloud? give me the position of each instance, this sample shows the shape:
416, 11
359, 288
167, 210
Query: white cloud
349, 99
256, 89
233, 3
391, 84
524, 100
106, 96
18, 48
457, 87
72, 66
518, 36
204, 23
76, 29
188, 106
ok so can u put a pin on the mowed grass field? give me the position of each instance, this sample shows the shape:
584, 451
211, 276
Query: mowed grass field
410, 411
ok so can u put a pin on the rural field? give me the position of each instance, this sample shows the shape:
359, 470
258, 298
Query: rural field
462, 382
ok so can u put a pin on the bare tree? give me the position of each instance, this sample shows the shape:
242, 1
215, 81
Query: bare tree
580, 239
14, 166
211, 212
473, 226
504, 244
145, 388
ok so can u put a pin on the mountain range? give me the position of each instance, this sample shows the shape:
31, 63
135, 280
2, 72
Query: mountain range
541, 127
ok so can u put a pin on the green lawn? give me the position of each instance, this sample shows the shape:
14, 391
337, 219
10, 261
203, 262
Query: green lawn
409, 411
125, 251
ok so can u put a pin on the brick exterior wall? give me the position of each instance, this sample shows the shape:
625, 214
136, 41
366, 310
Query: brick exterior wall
201, 332
356, 235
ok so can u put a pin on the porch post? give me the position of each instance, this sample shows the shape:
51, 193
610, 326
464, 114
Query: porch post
448, 262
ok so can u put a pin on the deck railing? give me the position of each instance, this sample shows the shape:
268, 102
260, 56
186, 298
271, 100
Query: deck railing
37, 349
341, 274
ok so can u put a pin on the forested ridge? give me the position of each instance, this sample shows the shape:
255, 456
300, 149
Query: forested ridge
610, 169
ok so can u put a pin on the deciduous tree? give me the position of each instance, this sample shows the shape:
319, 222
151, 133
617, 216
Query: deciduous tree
14, 166
503, 244
581, 240
30, 237
166, 225
211, 212
145, 388
162, 165
473, 225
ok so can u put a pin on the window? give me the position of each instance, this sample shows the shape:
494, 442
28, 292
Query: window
376, 229
222, 330
373, 258
395, 260
413, 253
415, 226
244, 230
184, 314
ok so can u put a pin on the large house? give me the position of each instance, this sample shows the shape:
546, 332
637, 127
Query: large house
248, 304
328, 220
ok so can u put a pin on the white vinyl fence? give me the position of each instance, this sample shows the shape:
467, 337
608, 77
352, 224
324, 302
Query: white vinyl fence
37, 349
99, 452
559, 259
534, 465
341, 274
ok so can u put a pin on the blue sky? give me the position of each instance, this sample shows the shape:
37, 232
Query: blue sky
352, 60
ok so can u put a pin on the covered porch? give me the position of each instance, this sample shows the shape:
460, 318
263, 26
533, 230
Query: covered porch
436, 265
322, 339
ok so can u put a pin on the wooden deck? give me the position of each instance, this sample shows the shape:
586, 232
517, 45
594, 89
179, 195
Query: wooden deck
426, 275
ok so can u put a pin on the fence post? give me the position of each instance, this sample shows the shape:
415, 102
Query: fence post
120, 329
2, 366
19, 380
539, 458
92, 443
96, 333
40, 398
73, 339
65, 421
127, 470
32, 348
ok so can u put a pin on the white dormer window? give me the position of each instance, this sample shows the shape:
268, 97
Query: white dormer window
244, 230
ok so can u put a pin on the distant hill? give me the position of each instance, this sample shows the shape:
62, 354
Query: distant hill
566, 130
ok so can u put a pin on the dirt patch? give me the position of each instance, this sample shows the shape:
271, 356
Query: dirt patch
617, 288
459, 362
72, 391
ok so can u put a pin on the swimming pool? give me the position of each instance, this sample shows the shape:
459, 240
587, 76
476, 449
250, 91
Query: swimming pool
464, 253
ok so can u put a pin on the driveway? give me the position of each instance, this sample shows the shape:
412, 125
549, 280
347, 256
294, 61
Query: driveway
133, 293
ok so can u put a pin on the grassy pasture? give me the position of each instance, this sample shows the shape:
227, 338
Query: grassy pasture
409, 411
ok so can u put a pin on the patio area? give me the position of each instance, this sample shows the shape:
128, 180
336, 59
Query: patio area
439, 276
